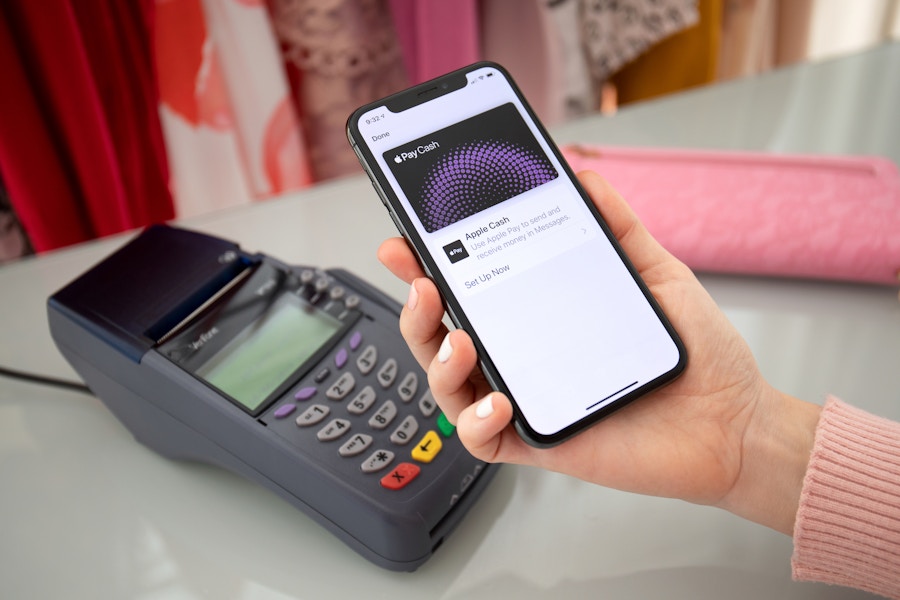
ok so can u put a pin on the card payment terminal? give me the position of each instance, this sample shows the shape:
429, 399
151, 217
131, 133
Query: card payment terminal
294, 377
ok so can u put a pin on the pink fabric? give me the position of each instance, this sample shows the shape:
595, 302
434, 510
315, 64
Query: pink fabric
848, 524
436, 37
824, 217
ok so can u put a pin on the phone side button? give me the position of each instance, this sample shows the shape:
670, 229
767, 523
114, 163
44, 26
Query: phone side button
452, 314
487, 375
394, 219
377, 191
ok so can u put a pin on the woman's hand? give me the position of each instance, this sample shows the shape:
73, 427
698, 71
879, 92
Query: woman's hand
688, 440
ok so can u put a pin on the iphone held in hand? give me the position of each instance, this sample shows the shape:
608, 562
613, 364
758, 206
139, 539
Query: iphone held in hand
560, 318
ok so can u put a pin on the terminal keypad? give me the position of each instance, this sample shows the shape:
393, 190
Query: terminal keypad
365, 406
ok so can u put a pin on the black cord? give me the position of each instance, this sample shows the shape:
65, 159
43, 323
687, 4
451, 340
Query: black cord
44, 380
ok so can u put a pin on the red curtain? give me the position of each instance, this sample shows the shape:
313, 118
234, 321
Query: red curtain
81, 147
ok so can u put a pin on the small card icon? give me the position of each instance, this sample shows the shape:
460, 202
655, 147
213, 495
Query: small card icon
456, 251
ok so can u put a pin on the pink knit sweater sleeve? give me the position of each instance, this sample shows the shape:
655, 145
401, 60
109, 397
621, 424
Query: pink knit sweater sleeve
847, 530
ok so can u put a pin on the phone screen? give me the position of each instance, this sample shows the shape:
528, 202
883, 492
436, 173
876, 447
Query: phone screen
562, 323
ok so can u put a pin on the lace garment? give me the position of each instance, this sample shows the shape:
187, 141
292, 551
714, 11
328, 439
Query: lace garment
340, 54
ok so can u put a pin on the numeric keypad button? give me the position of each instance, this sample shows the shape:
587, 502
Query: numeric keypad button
313, 415
343, 386
408, 386
335, 429
355, 445
387, 373
367, 360
383, 417
405, 431
362, 402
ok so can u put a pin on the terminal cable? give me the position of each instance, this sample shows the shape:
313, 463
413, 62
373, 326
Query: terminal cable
45, 380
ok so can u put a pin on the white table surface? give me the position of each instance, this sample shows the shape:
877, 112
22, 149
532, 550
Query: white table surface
86, 512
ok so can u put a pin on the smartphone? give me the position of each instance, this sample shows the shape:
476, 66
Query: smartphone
560, 318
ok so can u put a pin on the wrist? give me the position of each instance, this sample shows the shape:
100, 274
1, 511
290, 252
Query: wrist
775, 453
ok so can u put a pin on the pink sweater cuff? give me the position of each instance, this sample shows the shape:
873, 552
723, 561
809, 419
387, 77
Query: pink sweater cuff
847, 530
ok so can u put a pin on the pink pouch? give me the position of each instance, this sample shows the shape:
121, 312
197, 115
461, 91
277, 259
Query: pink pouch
820, 217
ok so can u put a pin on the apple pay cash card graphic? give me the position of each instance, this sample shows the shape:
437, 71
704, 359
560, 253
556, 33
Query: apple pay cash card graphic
468, 167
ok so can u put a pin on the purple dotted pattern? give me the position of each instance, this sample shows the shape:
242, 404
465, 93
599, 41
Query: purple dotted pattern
478, 175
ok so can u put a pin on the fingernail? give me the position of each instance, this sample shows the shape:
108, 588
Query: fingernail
413, 297
446, 350
485, 408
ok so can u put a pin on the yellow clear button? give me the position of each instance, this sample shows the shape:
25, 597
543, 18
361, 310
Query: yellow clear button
427, 448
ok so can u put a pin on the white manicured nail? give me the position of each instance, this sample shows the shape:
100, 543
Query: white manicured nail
413, 298
446, 350
485, 408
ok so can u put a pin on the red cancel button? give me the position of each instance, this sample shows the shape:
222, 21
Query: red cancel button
402, 474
